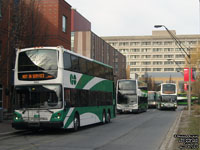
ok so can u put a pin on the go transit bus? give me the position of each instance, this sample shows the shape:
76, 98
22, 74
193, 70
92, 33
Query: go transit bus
168, 96
182, 99
152, 99
56, 88
131, 96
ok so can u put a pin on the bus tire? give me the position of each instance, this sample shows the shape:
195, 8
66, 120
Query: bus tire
104, 117
76, 122
108, 118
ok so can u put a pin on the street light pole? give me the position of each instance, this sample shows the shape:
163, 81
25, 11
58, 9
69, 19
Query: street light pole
188, 59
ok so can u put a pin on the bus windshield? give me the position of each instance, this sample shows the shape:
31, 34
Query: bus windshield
151, 96
38, 96
39, 59
127, 85
169, 89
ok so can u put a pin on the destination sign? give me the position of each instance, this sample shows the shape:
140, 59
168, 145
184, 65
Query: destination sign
35, 76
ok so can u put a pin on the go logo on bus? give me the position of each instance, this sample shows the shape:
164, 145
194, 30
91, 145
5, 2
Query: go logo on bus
73, 79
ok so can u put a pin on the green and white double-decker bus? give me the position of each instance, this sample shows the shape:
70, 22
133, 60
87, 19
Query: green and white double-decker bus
168, 96
56, 88
131, 96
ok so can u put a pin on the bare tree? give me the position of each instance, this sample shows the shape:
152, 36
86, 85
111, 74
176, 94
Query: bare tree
21, 25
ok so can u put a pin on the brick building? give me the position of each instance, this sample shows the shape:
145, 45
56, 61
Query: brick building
87, 43
26, 23
79, 22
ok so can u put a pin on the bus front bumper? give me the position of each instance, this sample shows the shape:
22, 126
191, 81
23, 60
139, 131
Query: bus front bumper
33, 125
131, 108
169, 105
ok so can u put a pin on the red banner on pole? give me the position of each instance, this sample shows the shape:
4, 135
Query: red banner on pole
186, 74
185, 87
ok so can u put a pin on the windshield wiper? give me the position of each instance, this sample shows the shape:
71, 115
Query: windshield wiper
50, 111
24, 110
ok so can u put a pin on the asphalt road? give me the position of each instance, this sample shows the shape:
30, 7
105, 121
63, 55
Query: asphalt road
144, 131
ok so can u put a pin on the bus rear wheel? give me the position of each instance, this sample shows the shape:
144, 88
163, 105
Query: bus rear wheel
76, 122
108, 117
103, 117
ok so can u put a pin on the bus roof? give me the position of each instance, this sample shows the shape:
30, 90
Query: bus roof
69, 51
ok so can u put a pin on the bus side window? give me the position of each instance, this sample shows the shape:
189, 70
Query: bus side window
82, 65
67, 97
67, 61
90, 69
75, 63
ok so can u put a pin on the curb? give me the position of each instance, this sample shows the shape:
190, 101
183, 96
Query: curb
169, 139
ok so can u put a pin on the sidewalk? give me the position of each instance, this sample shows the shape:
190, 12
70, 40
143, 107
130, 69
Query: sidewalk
6, 127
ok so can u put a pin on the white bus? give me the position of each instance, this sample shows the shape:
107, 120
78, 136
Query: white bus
168, 96
131, 96
57, 88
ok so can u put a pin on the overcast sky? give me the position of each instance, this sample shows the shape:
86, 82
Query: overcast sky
138, 17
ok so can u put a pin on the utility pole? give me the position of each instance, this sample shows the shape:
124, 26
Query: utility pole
188, 59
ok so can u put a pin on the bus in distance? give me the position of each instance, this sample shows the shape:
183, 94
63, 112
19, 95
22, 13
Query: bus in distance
152, 99
131, 96
168, 96
56, 88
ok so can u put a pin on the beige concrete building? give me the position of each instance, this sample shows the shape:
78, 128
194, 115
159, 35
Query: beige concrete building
151, 53
90, 45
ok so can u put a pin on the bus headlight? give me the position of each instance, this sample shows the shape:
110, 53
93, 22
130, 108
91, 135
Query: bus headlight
58, 116
17, 117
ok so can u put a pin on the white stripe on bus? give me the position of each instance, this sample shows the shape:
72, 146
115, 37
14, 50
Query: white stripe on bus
68, 115
92, 82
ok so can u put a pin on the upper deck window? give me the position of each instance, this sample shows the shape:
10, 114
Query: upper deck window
39, 59
169, 89
127, 85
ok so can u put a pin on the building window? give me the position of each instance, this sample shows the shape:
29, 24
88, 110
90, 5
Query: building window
145, 56
72, 41
146, 43
168, 43
134, 69
134, 50
0, 48
146, 50
168, 49
157, 69
134, 43
123, 44
157, 63
134, 56
157, 43
0, 8
146, 69
168, 69
1, 96
146, 63
168, 62
157, 56
64, 23
180, 62
157, 50
168, 56
180, 56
